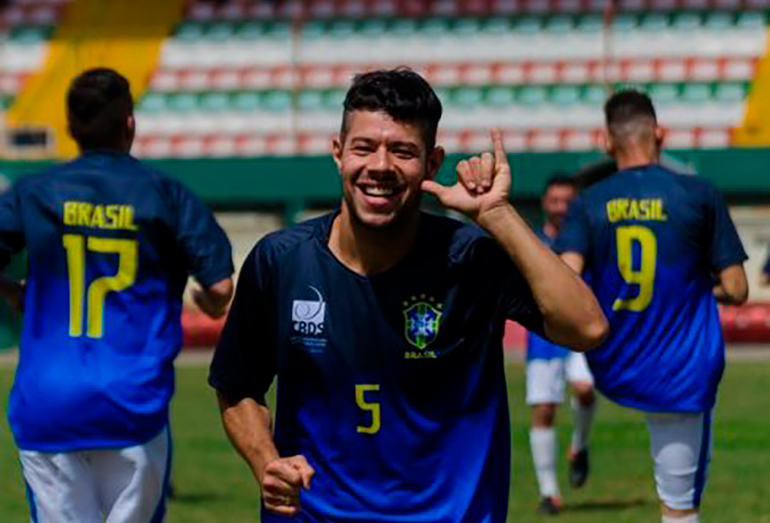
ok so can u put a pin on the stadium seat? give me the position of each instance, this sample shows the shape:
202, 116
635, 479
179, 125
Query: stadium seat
536, 67
21, 57
406, 40
566, 107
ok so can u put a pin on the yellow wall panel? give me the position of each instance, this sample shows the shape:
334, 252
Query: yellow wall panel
755, 130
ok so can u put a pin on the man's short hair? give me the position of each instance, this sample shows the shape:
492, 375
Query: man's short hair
98, 106
627, 107
560, 179
402, 94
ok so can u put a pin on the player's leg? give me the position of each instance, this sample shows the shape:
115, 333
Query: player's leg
133, 481
583, 407
681, 448
545, 390
60, 487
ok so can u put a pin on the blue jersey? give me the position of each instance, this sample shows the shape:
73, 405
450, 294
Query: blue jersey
392, 385
652, 240
539, 348
110, 245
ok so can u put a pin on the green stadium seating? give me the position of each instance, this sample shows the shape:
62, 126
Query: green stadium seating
237, 71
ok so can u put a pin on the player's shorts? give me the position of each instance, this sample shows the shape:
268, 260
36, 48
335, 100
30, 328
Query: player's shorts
117, 485
680, 445
546, 378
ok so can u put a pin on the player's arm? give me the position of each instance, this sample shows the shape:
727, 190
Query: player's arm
207, 250
248, 426
242, 370
247, 423
733, 287
574, 261
726, 254
572, 316
214, 299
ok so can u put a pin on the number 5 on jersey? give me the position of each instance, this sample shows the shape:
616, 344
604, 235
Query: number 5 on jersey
373, 407
75, 246
644, 275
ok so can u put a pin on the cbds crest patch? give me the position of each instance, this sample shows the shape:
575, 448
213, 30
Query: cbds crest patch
422, 316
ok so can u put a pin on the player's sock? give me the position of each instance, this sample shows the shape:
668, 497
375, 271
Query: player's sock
543, 443
582, 419
692, 518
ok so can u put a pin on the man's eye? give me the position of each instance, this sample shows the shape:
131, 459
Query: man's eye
404, 154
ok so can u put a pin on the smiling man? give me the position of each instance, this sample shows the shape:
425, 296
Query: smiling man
384, 328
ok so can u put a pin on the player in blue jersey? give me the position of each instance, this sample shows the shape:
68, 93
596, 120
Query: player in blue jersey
110, 246
383, 326
549, 367
652, 243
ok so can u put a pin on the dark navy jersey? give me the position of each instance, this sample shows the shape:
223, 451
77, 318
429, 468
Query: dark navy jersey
391, 385
539, 348
110, 247
652, 241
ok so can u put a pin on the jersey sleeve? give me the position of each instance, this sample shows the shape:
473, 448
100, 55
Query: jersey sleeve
573, 234
506, 279
244, 362
11, 226
726, 247
206, 248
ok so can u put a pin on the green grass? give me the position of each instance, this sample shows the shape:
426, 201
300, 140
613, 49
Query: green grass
213, 485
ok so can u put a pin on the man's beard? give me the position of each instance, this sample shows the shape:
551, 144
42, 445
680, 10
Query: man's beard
401, 219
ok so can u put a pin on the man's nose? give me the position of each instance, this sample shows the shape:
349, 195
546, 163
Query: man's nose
380, 160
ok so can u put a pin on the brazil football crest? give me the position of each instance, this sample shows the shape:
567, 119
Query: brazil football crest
422, 317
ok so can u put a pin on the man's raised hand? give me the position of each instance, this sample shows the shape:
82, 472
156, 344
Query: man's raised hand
483, 183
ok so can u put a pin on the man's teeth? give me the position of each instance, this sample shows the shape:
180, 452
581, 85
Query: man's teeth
379, 191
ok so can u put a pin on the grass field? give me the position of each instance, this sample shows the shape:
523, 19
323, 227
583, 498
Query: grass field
213, 485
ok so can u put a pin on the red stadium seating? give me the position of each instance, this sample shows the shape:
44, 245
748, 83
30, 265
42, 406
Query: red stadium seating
566, 139
671, 69
32, 13
206, 11
749, 323
198, 330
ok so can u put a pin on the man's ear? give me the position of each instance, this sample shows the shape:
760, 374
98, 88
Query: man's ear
337, 146
608, 143
130, 132
660, 137
435, 160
